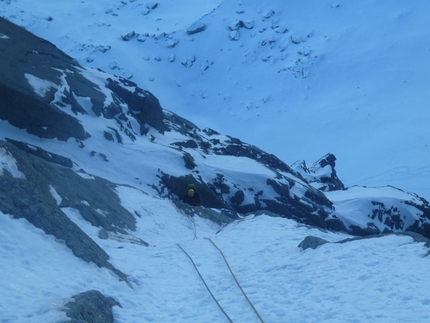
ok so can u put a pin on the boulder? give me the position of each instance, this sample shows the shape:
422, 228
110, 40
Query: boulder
91, 306
312, 242
196, 27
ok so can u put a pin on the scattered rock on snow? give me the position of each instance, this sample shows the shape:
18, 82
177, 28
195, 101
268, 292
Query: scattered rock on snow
242, 24
151, 5
129, 36
312, 242
234, 35
206, 64
296, 39
249, 24
196, 27
188, 62
281, 30
269, 14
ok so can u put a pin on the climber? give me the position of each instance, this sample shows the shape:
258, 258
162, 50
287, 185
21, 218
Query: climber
191, 197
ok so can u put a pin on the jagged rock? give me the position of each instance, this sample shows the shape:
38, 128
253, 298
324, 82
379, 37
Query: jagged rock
325, 168
322, 174
91, 306
129, 36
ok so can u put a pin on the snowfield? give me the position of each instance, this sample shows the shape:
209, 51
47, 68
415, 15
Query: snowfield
379, 280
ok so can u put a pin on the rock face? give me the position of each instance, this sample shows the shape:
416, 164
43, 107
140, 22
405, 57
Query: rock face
42, 190
299, 192
143, 105
292, 196
42, 90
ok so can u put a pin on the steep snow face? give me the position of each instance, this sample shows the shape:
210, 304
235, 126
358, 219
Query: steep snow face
342, 77
384, 278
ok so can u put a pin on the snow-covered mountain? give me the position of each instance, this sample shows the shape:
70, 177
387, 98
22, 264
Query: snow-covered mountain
93, 160
296, 79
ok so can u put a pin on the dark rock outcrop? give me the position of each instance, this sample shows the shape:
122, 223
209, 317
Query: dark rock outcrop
91, 306
42, 153
322, 174
312, 242
22, 53
31, 197
41, 90
142, 105
290, 195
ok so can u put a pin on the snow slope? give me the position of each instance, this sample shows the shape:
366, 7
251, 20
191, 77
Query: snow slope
378, 280
346, 95
307, 78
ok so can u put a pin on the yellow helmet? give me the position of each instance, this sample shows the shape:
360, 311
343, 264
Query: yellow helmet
190, 192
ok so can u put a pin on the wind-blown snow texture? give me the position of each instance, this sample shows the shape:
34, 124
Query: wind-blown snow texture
300, 79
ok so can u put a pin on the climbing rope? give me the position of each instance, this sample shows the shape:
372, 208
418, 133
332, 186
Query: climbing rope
207, 287
237, 282
193, 225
